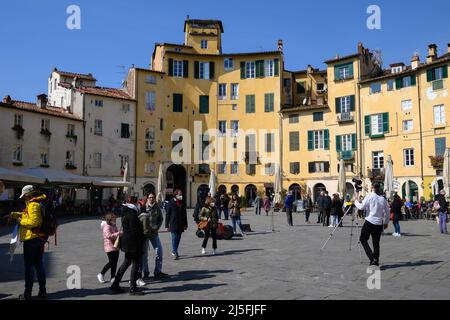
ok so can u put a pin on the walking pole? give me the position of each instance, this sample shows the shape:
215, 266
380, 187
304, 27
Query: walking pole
351, 230
334, 230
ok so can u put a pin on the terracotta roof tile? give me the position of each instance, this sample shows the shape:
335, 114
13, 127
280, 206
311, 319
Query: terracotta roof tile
73, 75
50, 110
101, 91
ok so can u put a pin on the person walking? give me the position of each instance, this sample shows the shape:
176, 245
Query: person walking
307, 205
110, 234
258, 204
320, 207
152, 220
131, 242
377, 211
209, 214
199, 205
336, 210
267, 205
223, 206
289, 204
235, 213
3, 193
326, 209
29, 221
176, 221
443, 210
396, 212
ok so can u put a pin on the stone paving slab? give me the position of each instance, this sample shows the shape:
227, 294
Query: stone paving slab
264, 265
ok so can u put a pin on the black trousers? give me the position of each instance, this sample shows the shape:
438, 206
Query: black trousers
307, 213
326, 217
213, 234
375, 231
113, 258
289, 216
133, 259
33, 254
320, 217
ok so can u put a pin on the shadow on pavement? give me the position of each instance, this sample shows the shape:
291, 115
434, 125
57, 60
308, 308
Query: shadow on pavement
409, 264
78, 293
185, 287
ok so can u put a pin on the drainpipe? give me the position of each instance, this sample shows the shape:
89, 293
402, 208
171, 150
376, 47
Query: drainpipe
359, 126
421, 132
136, 75
84, 136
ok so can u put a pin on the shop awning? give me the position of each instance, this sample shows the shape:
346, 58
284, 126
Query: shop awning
110, 184
19, 176
58, 176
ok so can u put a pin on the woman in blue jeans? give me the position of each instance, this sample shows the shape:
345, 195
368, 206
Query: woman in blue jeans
176, 221
396, 209
235, 213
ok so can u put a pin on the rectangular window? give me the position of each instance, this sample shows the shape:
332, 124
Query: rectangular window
346, 104
45, 124
439, 115
317, 116
319, 140
125, 107
250, 70
301, 87
440, 146
346, 142
378, 160
99, 103
320, 87
18, 120
377, 124
406, 105
319, 167
222, 91
270, 142
390, 85
204, 70
17, 154
406, 82
44, 158
250, 104
294, 141
408, 155
437, 73
70, 130
269, 169
234, 168
228, 64
177, 102
98, 127
204, 44
70, 158
97, 160
150, 139
343, 71
204, 168
294, 168
269, 102
222, 168
125, 131
269, 68
375, 88
178, 68
223, 128
234, 126
251, 169
234, 107
234, 91
407, 125
149, 168
150, 79
294, 118
204, 104
150, 101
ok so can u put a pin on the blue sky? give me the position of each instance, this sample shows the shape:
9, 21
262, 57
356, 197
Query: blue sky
117, 33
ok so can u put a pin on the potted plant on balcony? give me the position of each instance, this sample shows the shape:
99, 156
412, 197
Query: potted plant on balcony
70, 166
19, 131
437, 161
46, 133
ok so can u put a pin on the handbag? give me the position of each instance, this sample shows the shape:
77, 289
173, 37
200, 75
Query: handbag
117, 243
203, 225
391, 216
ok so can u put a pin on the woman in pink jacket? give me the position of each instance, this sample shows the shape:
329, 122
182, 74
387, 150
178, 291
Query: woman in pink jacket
110, 234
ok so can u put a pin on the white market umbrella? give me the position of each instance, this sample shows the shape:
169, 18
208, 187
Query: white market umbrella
212, 183
342, 182
58, 176
389, 177
125, 175
277, 185
19, 176
408, 191
161, 187
446, 171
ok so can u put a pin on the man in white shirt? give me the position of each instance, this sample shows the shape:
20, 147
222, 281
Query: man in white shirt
377, 216
3, 193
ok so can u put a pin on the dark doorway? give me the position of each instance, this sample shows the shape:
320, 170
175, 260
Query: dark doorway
296, 191
203, 191
222, 189
250, 194
176, 179
318, 188
148, 188
235, 189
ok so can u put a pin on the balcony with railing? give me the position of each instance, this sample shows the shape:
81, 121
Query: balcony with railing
345, 117
346, 155
376, 173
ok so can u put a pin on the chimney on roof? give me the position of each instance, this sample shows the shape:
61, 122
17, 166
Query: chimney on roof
360, 48
448, 47
432, 53
415, 62
280, 45
7, 99
310, 69
42, 101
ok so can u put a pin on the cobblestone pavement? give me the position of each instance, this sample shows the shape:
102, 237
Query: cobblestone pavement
286, 264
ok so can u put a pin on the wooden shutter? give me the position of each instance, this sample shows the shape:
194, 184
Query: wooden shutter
170, 67
326, 142
326, 166
204, 104
430, 75
413, 80
311, 167
352, 103
266, 102
259, 66
386, 122
310, 140
338, 143
354, 147
242, 69
185, 69
211, 70
196, 70
367, 126
337, 73
338, 105
351, 71
398, 83
177, 102
445, 72
276, 63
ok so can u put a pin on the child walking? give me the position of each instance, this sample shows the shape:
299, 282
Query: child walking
110, 234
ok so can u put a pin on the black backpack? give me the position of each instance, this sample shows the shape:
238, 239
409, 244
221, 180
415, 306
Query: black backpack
49, 223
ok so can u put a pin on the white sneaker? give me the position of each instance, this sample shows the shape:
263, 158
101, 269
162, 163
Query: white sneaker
394, 234
140, 283
399, 235
100, 278
330, 226
203, 251
214, 252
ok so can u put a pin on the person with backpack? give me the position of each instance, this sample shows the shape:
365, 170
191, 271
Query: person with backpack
110, 234
307, 205
30, 221
235, 213
209, 215
326, 202
289, 205
441, 206
258, 204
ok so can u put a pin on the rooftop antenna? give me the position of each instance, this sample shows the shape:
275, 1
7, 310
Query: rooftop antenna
123, 73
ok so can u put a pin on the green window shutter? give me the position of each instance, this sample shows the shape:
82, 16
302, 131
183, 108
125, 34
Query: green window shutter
338, 105
386, 122
204, 104
170, 67
310, 140
413, 80
327, 139
354, 148
352, 103
398, 83
336, 73
177, 102
272, 102
250, 104
367, 125
311, 167
196, 70
338, 143
211, 70
259, 65
326, 166
185, 69
242, 69
351, 70
445, 72
430, 75
253, 104
301, 87
266, 102
276, 63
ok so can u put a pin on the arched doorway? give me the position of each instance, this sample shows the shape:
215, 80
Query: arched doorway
413, 194
202, 191
318, 188
250, 194
176, 179
296, 191
437, 186
350, 189
222, 189
149, 187
235, 189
